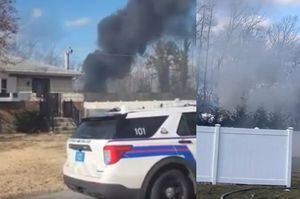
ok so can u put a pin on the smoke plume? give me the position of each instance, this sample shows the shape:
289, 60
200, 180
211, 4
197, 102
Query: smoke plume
253, 60
128, 32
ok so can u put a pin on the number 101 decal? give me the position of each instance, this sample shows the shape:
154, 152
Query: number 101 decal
140, 131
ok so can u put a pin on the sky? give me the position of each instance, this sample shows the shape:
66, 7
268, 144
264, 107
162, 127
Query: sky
62, 23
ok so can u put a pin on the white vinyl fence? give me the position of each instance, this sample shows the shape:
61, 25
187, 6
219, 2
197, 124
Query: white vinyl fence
244, 156
296, 151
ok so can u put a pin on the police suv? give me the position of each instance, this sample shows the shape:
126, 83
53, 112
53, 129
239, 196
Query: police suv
138, 154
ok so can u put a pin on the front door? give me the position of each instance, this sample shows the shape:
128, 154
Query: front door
40, 86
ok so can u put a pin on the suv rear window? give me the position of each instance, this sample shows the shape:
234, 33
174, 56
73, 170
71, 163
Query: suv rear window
96, 129
119, 127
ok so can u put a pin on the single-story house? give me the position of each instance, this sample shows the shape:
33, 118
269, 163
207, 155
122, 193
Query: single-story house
23, 79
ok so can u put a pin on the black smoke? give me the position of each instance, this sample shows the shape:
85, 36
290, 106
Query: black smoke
128, 32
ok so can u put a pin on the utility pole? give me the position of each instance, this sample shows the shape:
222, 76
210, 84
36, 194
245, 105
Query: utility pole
67, 58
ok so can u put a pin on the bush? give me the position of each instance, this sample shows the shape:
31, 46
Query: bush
29, 122
241, 118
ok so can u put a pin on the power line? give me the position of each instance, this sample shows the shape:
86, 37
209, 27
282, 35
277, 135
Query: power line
110, 54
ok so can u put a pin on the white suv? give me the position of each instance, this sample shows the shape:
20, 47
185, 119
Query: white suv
143, 154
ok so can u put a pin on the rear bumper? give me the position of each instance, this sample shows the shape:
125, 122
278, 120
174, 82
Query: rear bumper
107, 191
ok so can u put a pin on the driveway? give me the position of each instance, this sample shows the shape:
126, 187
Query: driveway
62, 195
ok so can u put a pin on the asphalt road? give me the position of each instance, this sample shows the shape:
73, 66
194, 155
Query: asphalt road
62, 195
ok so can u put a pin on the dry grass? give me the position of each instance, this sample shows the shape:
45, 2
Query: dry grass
31, 164
206, 191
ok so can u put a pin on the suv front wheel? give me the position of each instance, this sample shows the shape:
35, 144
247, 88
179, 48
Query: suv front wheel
172, 184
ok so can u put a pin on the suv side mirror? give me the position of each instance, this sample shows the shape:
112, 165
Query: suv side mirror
164, 131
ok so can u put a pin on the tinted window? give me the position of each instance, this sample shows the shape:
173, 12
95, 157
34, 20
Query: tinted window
112, 127
187, 125
98, 129
139, 127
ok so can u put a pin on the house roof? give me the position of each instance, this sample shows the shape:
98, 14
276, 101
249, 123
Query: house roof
28, 67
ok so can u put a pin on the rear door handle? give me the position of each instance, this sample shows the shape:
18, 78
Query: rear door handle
185, 142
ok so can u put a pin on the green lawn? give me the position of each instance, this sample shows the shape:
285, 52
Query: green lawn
206, 191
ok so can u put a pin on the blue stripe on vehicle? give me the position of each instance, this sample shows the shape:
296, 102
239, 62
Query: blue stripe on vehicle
167, 150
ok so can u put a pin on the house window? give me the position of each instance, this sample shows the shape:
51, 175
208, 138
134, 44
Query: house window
4, 92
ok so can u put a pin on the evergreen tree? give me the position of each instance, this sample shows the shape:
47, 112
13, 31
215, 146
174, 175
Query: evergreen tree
260, 119
165, 57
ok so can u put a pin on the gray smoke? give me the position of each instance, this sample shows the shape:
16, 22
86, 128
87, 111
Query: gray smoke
128, 32
253, 60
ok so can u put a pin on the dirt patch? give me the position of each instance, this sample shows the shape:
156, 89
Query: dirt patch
31, 164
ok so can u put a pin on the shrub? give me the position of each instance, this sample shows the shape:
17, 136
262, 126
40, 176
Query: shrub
241, 118
29, 122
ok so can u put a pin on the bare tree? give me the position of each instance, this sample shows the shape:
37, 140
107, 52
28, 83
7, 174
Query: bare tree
27, 49
223, 41
249, 60
284, 33
184, 64
51, 57
283, 39
205, 17
8, 27
24, 49
161, 61
243, 23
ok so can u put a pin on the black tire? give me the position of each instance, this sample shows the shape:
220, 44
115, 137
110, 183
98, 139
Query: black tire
172, 184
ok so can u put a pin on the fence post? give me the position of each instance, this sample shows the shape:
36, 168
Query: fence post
290, 132
216, 154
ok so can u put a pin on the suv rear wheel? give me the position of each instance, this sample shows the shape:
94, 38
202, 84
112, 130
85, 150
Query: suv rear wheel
172, 184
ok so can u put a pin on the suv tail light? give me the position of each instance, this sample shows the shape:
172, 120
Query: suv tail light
113, 153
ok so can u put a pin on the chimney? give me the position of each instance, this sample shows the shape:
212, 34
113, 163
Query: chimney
67, 58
